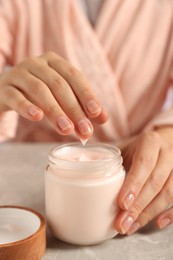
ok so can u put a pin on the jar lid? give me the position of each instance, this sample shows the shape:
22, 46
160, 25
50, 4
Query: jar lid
22, 233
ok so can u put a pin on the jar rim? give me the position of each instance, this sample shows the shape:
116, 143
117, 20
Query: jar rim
115, 158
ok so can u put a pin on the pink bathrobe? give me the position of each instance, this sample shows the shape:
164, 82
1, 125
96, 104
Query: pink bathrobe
127, 56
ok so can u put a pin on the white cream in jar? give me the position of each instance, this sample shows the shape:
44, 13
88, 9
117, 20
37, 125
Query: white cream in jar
82, 184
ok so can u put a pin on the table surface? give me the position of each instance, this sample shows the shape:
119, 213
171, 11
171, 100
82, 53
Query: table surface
22, 168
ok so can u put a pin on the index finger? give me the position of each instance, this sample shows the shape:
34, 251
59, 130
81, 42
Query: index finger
79, 84
143, 163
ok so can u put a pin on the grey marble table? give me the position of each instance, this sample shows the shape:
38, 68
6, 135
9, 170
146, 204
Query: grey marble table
22, 169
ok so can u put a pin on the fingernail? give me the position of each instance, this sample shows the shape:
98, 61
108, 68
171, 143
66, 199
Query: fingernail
93, 107
64, 123
127, 224
135, 226
34, 110
128, 201
84, 127
164, 222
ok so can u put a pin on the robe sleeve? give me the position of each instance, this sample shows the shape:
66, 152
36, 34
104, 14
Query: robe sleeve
8, 120
165, 117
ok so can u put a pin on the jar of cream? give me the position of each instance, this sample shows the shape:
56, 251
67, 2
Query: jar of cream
82, 184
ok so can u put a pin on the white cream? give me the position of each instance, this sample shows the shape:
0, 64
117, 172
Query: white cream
83, 158
17, 224
84, 141
82, 187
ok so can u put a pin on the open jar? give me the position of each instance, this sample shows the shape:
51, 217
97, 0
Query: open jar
82, 184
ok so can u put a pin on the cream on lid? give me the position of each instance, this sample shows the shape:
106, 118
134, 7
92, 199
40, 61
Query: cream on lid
82, 154
17, 224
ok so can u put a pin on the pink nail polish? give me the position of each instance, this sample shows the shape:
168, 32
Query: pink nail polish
93, 107
135, 226
34, 110
129, 199
84, 127
127, 224
64, 123
164, 222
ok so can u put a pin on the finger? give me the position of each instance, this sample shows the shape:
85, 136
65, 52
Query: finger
143, 163
102, 118
17, 102
123, 222
151, 188
165, 218
158, 205
65, 97
39, 94
80, 85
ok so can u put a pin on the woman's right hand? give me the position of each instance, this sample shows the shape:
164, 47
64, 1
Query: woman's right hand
48, 85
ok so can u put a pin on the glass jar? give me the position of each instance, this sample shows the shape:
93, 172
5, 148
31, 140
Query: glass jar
82, 184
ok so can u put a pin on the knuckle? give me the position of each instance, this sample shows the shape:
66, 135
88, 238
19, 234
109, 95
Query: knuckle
85, 92
15, 70
50, 55
36, 86
31, 60
58, 83
151, 137
74, 111
21, 104
169, 192
137, 185
145, 217
8, 93
170, 149
50, 110
156, 182
74, 72
146, 161
137, 209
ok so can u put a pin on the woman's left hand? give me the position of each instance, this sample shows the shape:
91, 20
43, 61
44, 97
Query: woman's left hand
148, 188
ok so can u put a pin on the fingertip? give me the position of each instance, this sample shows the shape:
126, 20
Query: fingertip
126, 201
93, 108
118, 222
35, 113
164, 222
84, 129
64, 125
65, 132
102, 118
121, 198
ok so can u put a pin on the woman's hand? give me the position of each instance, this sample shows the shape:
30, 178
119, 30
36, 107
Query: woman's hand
148, 188
50, 86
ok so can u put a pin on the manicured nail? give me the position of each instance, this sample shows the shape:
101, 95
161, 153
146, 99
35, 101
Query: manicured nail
93, 107
84, 127
135, 226
64, 123
128, 201
127, 224
34, 110
164, 222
